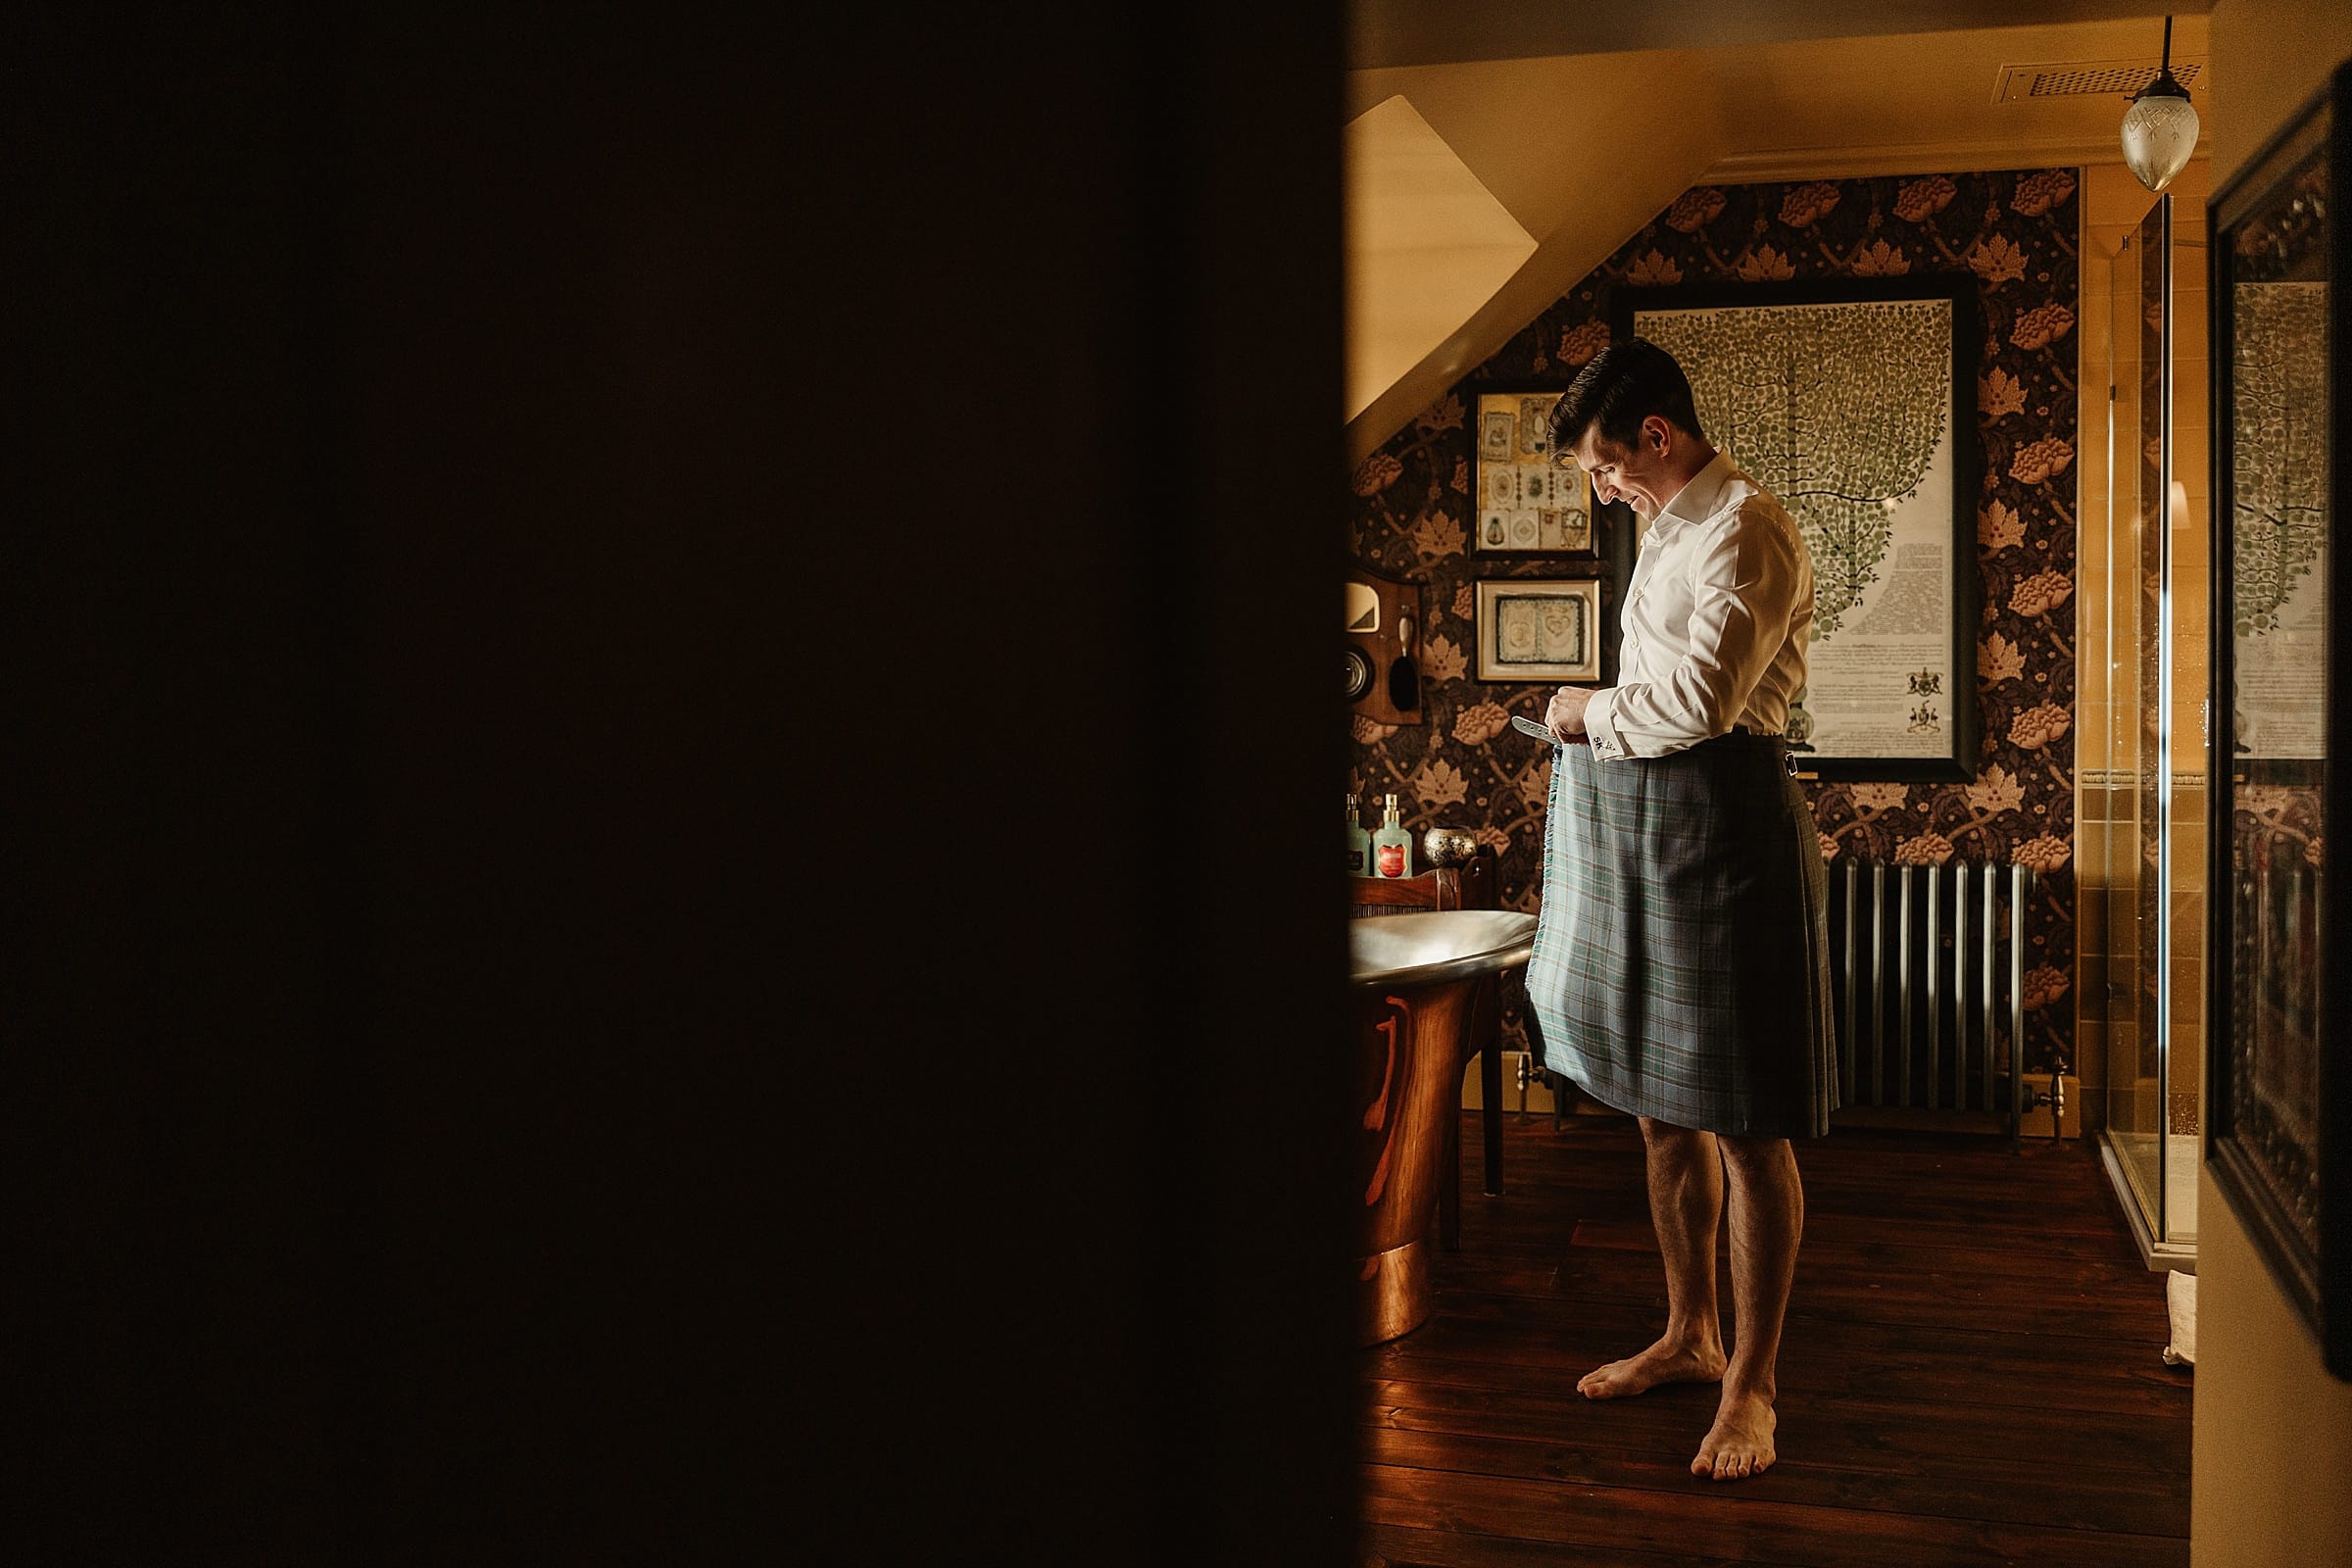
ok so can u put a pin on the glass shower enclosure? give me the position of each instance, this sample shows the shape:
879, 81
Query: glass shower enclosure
2156, 640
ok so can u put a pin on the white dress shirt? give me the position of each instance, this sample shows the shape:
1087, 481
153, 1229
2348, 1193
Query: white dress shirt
1715, 622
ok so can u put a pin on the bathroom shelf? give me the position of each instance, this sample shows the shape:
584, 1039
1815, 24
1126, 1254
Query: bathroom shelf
1468, 886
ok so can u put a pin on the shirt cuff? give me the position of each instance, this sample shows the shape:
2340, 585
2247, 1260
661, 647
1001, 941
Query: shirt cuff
1601, 725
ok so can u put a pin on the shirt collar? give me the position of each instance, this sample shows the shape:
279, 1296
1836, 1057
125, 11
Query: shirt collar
1698, 498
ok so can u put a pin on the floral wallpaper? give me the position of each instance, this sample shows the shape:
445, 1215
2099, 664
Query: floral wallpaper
2014, 233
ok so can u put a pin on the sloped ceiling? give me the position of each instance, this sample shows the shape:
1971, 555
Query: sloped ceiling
1427, 245
1542, 136
1583, 145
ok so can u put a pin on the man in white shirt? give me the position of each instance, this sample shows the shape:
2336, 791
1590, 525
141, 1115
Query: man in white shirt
1681, 964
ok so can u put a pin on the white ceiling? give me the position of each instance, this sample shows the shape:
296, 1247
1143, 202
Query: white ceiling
1424, 32
1581, 145
1853, 105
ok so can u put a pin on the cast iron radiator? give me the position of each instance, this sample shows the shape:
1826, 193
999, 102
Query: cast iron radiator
1927, 969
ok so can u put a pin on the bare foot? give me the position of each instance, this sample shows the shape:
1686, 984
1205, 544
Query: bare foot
1739, 1443
1663, 1362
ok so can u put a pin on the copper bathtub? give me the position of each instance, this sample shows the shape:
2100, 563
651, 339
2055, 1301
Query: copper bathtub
1416, 981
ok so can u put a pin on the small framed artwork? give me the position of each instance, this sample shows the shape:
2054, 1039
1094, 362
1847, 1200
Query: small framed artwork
1531, 501
1539, 629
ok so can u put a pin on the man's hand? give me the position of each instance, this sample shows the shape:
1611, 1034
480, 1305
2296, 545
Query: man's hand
1565, 716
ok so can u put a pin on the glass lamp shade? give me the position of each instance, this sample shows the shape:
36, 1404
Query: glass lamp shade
2160, 131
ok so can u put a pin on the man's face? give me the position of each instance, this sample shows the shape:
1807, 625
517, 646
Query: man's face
1637, 473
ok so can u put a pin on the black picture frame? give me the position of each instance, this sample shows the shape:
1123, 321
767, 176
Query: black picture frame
2287, 1179
1957, 761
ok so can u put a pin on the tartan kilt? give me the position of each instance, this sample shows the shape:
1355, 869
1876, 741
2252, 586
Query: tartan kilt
1682, 959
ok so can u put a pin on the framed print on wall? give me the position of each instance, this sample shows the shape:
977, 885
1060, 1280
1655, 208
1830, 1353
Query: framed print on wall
1531, 502
2278, 1126
1845, 398
1539, 629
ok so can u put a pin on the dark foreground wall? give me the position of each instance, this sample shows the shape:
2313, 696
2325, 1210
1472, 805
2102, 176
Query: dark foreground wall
558, 664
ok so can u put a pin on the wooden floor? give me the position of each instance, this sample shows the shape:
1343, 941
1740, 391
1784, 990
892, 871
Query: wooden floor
1971, 1373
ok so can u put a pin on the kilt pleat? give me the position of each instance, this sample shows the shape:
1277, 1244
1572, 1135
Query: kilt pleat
1681, 967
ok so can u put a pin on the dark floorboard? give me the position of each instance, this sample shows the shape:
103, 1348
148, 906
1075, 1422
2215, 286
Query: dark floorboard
1971, 1373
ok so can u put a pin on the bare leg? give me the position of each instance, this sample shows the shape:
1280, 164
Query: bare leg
1685, 1200
1768, 1218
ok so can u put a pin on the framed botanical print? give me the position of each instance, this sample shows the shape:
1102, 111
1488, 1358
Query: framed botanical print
1537, 629
1848, 399
1529, 500
2278, 1063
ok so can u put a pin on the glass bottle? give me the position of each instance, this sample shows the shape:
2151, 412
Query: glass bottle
1392, 845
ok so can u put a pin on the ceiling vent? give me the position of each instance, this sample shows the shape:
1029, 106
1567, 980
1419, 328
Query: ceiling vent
2079, 79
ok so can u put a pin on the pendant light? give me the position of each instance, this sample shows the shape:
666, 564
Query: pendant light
2160, 128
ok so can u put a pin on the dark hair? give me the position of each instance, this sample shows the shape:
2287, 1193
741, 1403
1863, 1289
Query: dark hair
1626, 383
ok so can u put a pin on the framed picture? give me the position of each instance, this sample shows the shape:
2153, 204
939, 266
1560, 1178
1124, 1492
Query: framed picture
2279, 1077
1539, 629
1847, 399
1528, 502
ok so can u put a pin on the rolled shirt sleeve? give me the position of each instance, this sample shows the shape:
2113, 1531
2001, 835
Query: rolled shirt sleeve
1741, 573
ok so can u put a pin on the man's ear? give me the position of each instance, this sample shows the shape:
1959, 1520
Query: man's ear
1659, 431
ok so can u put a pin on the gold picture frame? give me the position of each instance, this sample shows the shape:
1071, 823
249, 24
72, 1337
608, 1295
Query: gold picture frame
1538, 628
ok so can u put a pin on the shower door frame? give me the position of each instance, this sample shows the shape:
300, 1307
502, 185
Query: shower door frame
2151, 1220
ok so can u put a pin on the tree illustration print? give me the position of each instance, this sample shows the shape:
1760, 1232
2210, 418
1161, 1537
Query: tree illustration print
1838, 410
2278, 497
